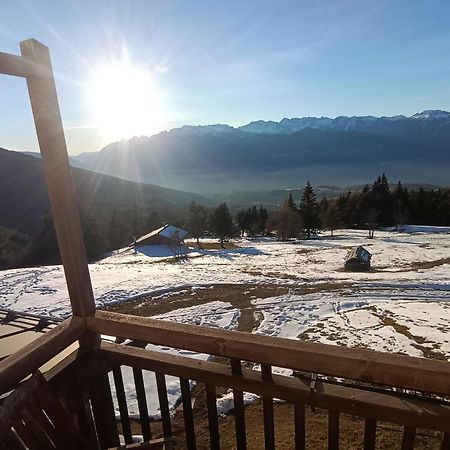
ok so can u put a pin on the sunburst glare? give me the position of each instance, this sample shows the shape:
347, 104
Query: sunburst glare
124, 101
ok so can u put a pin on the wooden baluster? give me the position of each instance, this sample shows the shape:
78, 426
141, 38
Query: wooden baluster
163, 404
299, 420
122, 401
187, 413
445, 443
142, 404
370, 433
409, 435
269, 425
12, 441
103, 407
39, 416
239, 408
333, 430
213, 423
37, 430
25, 435
84, 408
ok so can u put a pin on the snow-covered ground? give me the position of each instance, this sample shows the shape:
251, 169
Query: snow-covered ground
213, 314
402, 305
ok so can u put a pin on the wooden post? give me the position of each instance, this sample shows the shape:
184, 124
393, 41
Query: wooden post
49, 128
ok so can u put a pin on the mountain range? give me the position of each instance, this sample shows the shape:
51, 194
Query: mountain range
267, 155
24, 201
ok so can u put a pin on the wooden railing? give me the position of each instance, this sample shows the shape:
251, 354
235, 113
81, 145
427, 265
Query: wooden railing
89, 379
374, 403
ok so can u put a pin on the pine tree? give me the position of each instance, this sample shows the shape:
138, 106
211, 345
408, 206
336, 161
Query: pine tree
197, 220
263, 218
221, 223
291, 203
309, 210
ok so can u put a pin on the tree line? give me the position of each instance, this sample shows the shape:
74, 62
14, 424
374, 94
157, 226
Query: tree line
376, 205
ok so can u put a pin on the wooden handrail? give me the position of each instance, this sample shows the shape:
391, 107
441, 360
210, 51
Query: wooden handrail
15, 65
19, 365
357, 364
376, 405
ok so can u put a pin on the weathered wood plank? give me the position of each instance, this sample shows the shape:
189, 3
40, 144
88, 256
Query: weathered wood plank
375, 405
163, 404
25, 435
269, 424
333, 430
22, 363
15, 65
43, 420
213, 423
58, 176
142, 403
188, 414
103, 407
370, 433
409, 436
239, 408
359, 364
122, 401
11, 441
299, 426
37, 429
445, 443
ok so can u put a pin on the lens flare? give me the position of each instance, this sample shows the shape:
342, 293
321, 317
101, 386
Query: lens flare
124, 101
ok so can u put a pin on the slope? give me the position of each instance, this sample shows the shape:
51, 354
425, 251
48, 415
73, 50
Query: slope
24, 200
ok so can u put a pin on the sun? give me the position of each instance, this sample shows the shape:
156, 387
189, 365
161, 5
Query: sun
124, 101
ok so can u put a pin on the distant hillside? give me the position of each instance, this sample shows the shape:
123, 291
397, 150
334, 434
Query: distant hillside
272, 155
24, 200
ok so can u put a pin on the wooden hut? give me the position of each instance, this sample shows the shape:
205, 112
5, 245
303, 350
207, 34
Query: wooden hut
166, 235
358, 259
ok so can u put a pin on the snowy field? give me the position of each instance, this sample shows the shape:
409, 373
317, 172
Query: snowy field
402, 305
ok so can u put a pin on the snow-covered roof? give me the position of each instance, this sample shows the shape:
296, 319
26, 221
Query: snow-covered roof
168, 231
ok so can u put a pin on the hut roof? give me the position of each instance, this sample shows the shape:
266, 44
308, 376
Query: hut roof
167, 231
359, 253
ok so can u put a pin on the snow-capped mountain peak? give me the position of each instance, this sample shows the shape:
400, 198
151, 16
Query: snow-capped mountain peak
432, 114
340, 123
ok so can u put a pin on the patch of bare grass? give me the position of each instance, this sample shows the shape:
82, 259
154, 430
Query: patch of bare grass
212, 245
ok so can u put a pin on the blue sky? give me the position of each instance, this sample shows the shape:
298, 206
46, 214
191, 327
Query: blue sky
233, 61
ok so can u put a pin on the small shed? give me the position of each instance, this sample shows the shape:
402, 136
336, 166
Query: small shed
166, 235
358, 259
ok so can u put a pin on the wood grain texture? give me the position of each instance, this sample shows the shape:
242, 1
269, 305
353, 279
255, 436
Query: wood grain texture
19, 365
357, 364
213, 422
269, 423
188, 414
374, 405
15, 65
370, 434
